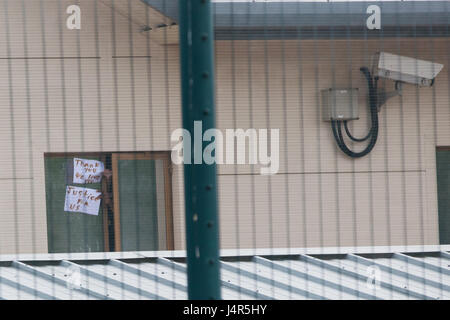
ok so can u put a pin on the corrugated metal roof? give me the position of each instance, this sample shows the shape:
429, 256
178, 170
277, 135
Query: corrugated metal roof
368, 273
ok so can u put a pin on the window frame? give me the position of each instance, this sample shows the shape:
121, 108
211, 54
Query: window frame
131, 155
167, 167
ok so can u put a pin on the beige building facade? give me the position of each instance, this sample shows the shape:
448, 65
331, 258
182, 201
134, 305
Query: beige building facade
112, 87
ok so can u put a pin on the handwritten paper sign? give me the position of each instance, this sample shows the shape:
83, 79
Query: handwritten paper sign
87, 171
82, 200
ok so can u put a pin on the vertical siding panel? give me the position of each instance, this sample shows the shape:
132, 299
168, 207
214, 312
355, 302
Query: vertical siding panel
393, 222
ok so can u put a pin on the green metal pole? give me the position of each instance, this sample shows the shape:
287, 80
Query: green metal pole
197, 86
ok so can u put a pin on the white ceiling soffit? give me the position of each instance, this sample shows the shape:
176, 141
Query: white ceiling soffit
147, 19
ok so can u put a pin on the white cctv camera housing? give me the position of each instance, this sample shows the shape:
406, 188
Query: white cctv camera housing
406, 69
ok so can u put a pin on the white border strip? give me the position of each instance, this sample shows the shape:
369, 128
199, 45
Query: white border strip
223, 253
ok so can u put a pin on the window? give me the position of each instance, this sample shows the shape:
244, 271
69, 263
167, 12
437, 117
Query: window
134, 209
443, 185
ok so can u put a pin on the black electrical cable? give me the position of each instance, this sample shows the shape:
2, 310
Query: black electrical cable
373, 132
352, 137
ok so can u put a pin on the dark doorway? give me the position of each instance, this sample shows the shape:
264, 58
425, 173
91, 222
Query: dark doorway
443, 187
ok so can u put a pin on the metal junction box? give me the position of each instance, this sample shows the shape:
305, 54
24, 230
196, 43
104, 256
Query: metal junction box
340, 104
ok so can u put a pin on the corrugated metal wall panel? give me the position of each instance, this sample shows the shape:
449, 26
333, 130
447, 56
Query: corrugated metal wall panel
397, 180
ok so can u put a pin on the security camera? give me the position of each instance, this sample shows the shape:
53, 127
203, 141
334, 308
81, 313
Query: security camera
341, 105
406, 69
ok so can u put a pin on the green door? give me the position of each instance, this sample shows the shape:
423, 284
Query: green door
135, 201
69, 231
443, 184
